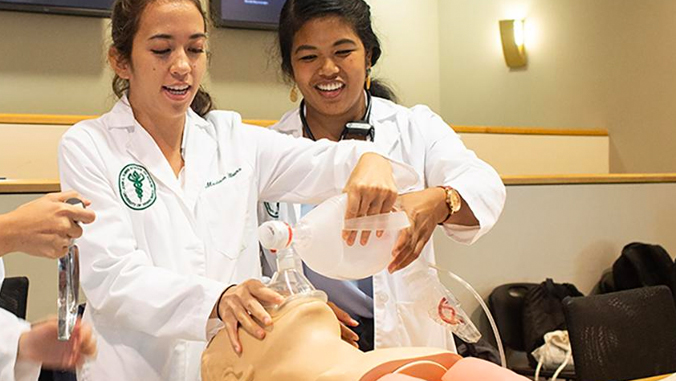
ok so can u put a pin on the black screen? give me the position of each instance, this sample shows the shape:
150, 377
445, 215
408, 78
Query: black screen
100, 8
258, 14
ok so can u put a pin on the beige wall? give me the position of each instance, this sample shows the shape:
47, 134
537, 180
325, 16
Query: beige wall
603, 64
509, 154
56, 64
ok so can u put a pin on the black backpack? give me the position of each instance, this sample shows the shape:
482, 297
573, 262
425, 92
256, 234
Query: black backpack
642, 264
543, 312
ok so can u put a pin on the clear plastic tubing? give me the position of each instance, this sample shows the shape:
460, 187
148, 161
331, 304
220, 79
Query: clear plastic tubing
476, 295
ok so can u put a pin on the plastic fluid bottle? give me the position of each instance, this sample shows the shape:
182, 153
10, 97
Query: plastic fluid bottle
317, 238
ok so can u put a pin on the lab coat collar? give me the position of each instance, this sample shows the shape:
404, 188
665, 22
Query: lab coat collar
122, 116
383, 118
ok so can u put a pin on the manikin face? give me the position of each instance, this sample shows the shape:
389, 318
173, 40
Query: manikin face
329, 67
168, 59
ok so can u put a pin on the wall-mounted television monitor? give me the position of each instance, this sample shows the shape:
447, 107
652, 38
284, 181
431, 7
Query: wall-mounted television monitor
94, 8
249, 14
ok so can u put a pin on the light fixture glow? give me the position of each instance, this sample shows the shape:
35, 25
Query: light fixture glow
519, 36
512, 35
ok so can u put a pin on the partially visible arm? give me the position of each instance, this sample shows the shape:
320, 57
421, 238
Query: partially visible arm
447, 163
43, 227
40, 345
11, 329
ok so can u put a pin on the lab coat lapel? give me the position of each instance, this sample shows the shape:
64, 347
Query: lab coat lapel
200, 148
383, 117
144, 149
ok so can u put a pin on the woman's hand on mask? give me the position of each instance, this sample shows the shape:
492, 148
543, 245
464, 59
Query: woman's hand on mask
425, 209
370, 190
346, 321
243, 305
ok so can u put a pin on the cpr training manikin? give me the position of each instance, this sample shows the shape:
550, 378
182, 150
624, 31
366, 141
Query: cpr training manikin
304, 344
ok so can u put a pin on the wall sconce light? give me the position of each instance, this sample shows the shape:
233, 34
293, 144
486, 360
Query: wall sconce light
512, 36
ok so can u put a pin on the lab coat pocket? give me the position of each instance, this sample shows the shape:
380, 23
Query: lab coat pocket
228, 216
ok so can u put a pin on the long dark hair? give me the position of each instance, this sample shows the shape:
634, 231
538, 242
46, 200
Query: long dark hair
124, 26
295, 13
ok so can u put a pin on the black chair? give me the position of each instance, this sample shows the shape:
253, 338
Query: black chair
623, 335
14, 295
506, 305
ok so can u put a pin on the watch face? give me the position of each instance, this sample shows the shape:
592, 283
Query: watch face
456, 202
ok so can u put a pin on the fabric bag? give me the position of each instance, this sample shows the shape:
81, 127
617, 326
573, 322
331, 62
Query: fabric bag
543, 313
555, 353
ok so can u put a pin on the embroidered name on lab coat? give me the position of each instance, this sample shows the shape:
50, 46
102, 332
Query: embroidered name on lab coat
227, 176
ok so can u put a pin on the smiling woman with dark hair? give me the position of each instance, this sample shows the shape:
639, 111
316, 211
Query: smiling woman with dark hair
328, 49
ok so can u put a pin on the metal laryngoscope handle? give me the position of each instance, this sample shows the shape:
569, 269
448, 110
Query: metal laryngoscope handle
69, 286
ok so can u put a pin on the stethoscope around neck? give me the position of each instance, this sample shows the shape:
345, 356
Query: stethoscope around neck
357, 129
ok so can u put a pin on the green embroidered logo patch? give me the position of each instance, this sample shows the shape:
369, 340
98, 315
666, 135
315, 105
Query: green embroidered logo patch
137, 188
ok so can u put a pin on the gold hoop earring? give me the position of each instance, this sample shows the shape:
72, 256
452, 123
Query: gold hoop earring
293, 95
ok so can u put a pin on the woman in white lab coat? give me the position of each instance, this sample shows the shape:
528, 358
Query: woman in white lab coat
41, 228
328, 48
174, 250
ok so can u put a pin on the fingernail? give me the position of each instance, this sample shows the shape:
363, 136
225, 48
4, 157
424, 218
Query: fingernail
354, 322
237, 349
261, 334
267, 321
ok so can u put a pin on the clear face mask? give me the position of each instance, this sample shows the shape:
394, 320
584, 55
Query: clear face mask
289, 280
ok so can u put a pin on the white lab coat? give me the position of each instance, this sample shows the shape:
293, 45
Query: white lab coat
420, 138
155, 261
11, 329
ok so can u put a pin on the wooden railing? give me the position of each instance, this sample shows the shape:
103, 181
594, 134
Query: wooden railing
52, 185
72, 119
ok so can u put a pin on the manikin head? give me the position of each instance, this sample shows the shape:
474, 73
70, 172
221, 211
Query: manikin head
304, 344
